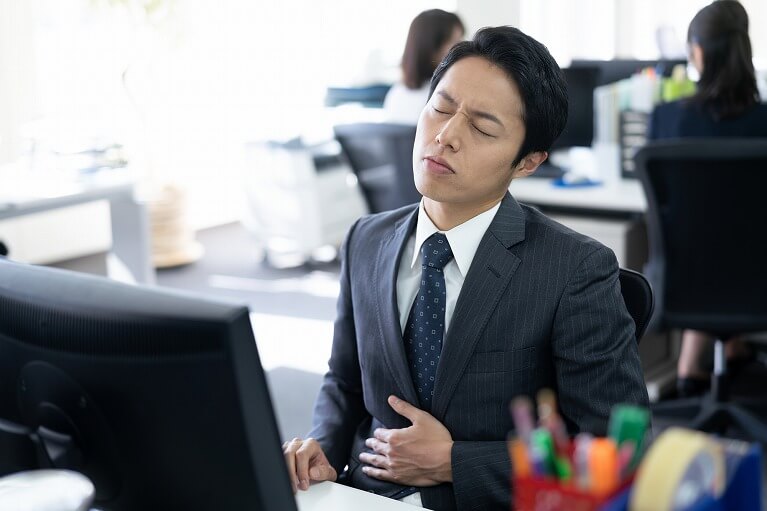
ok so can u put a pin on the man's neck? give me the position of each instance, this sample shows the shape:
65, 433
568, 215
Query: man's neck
445, 216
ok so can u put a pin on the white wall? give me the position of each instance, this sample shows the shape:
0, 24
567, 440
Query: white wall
757, 13
487, 13
17, 76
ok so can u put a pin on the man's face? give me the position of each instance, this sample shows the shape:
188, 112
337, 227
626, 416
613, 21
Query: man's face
468, 135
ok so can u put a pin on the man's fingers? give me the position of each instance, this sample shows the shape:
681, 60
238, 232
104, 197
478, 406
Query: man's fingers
379, 473
374, 459
378, 446
322, 473
289, 449
384, 435
405, 409
303, 455
290, 461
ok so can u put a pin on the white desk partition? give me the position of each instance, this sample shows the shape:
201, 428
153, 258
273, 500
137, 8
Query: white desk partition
337, 497
25, 193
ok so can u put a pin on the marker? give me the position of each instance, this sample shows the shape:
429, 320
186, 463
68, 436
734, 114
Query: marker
625, 454
629, 423
520, 459
542, 452
522, 415
603, 466
581, 456
550, 419
563, 468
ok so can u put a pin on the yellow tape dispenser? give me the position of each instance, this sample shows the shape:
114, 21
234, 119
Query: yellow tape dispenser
680, 468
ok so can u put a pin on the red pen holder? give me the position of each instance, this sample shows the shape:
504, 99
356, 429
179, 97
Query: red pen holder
547, 494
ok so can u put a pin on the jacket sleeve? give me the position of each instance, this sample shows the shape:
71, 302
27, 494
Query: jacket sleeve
596, 359
339, 408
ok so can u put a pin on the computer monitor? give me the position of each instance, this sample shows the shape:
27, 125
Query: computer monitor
611, 71
582, 77
158, 397
579, 130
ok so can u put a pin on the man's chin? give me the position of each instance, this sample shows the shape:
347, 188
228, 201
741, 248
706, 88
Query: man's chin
434, 189
433, 195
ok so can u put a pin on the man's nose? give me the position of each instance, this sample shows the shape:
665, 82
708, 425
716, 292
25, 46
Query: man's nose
450, 134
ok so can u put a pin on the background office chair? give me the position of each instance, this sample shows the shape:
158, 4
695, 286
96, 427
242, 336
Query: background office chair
381, 155
707, 227
637, 294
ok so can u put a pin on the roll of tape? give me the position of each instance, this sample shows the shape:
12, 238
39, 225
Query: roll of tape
680, 468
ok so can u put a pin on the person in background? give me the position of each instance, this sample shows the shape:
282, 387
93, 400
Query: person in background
432, 33
726, 104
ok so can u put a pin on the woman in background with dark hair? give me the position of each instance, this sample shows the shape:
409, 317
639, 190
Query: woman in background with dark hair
726, 104
727, 98
432, 33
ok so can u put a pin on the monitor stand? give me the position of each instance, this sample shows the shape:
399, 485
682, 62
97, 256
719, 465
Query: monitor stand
19, 451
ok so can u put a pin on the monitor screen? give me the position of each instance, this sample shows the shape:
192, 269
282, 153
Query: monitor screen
579, 130
158, 397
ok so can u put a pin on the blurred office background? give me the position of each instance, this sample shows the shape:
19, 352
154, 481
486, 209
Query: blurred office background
219, 116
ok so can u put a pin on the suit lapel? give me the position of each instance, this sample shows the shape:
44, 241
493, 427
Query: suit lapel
386, 269
490, 273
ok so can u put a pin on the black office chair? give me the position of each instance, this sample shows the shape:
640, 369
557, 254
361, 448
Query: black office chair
381, 156
707, 227
637, 294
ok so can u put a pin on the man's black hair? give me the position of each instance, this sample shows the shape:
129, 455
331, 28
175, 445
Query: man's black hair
537, 76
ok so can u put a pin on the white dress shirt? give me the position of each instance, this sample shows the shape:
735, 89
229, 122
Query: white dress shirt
464, 240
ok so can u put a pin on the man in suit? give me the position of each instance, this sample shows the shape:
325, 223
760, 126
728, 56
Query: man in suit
450, 308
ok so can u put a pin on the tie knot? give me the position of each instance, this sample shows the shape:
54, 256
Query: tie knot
435, 252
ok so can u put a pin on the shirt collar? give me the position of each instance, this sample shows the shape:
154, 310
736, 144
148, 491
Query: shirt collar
464, 239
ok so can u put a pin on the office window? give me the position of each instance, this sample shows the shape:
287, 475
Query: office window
570, 30
604, 29
202, 77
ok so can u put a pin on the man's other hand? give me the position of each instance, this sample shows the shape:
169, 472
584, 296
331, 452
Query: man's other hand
418, 455
306, 462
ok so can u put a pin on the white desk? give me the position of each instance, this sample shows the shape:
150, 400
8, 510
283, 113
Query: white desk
625, 196
23, 194
337, 497
608, 213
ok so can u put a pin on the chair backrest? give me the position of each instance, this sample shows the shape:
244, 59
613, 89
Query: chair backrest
707, 227
638, 296
381, 156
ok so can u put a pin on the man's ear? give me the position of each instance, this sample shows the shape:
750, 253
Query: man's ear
529, 164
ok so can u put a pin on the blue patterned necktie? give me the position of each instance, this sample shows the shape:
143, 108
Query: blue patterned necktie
426, 323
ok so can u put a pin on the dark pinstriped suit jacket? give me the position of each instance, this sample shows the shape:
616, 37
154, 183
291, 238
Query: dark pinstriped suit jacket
540, 307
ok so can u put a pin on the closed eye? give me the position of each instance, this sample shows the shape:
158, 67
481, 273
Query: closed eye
482, 132
438, 110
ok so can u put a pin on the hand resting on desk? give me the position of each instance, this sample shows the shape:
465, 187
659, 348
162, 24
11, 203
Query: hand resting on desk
306, 462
